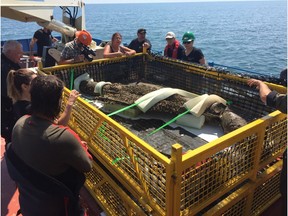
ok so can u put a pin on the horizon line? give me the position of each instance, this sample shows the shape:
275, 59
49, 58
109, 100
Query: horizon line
191, 1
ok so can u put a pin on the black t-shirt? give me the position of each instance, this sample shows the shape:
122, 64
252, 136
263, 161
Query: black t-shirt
21, 108
7, 120
43, 39
194, 56
6, 66
138, 46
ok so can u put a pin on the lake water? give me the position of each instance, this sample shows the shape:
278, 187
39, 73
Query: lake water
248, 35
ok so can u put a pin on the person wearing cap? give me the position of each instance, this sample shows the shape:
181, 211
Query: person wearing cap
192, 54
42, 37
141, 41
173, 48
72, 52
114, 48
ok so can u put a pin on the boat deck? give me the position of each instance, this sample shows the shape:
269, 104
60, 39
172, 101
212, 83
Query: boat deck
10, 204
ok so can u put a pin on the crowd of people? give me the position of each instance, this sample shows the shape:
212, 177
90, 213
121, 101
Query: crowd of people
72, 52
38, 135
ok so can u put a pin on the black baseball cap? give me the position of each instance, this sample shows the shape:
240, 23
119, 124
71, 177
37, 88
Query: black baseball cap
141, 30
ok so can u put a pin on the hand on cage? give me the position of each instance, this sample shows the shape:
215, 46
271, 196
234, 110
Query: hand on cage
73, 97
254, 82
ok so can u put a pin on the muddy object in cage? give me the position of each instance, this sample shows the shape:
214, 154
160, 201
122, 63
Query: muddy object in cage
221, 113
126, 94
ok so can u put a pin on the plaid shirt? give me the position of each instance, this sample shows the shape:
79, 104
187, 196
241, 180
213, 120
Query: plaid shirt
70, 51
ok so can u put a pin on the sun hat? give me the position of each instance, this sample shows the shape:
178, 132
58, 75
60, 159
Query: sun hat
188, 37
170, 35
141, 30
84, 37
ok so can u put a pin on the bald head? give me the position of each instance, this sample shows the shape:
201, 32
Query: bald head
13, 50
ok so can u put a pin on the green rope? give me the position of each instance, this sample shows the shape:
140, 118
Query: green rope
169, 122
101, 132
229, 102
116, 160
71, 78
125, 108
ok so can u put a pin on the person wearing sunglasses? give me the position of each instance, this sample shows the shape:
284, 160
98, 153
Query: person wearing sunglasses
192, 54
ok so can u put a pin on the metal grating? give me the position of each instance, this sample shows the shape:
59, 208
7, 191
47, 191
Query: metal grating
264, 193
218, 172
275, 139
141, 168
237, 209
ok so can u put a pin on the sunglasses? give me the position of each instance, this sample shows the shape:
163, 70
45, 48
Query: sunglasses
187, 42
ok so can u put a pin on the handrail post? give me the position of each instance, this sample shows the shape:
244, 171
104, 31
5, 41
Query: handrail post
144, 49
176, 159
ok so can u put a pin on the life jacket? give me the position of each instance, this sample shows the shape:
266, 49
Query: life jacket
175, 47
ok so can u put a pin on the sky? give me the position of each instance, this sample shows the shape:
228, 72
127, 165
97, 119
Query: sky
148, 1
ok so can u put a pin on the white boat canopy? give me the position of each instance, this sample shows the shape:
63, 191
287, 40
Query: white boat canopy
40, 11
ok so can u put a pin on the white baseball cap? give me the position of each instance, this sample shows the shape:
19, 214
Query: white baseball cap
170, 35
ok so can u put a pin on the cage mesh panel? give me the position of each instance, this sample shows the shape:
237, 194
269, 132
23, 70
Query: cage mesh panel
245, 100
265, 192
89, 121
237, 209
200, 182
82, 124
221, 171
105, 192
151, 170
154, 174
275, 139
121, 70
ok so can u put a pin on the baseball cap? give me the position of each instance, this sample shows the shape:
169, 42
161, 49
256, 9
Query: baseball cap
141, 30
170, 35
84, 37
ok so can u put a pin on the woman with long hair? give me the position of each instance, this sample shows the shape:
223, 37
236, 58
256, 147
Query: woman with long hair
115, 49
18, 89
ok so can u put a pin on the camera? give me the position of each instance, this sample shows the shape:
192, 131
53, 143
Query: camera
88, 53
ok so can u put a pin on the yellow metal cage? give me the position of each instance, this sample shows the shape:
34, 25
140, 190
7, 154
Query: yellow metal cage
236, 174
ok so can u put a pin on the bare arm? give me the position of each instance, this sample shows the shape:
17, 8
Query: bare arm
202, 61
54, 39
77, 59
31, 46
65, 116
128, 51
263, 88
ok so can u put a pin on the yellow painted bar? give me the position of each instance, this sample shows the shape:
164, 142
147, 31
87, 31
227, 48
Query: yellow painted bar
184, 184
